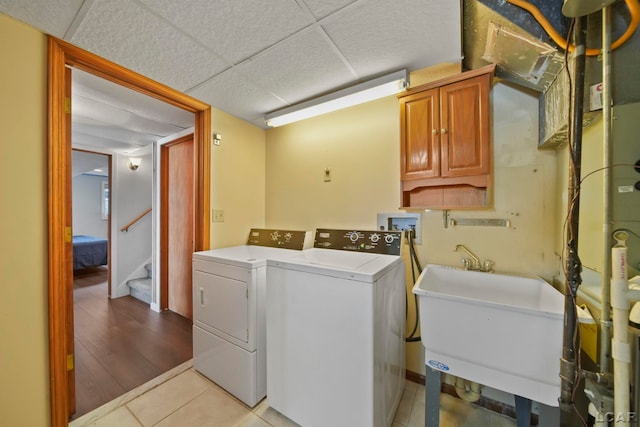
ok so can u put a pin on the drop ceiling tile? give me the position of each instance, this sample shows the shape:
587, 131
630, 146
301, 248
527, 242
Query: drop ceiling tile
235, 29
129, 34
50, 16
301, 67
322, 8
183, 44
83, 162
238, 96
400, 34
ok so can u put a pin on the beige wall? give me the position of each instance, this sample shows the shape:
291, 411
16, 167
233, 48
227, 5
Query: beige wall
24, 358
358, 144
237, 179
361, 147
591, 238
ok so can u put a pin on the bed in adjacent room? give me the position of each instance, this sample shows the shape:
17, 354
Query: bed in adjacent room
89, 251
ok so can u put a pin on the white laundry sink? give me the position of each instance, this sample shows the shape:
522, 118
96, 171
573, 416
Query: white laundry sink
502, 331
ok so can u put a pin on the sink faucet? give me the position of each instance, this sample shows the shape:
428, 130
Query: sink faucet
473, 262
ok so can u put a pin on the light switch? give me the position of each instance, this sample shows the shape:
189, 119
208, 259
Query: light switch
217, 215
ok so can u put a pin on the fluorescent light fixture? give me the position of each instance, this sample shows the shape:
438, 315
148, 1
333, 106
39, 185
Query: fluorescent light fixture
390, 84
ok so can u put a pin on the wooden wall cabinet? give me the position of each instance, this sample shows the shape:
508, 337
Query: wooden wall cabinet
445, 147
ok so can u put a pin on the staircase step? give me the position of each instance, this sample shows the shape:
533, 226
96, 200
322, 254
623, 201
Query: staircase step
149, 268
141, 289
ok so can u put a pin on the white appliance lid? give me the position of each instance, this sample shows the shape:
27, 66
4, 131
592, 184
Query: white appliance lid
365, 267
247, 256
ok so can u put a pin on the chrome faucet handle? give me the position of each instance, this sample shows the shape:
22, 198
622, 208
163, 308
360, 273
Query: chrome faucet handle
466, 262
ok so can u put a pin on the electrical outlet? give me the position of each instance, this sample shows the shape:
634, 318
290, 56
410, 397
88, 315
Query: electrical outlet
327, 175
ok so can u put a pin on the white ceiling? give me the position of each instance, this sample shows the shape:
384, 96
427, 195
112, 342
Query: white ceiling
105, 114
245, 57
85, 163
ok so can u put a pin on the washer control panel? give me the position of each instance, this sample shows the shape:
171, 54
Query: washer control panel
379, 242
285, 239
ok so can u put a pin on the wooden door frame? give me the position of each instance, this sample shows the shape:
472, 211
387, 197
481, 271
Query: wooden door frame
61, 55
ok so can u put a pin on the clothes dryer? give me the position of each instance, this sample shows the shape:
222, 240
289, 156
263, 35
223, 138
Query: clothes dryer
335, 330
229, 286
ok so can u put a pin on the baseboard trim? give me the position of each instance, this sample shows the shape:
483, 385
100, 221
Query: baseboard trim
414, 377
484, 402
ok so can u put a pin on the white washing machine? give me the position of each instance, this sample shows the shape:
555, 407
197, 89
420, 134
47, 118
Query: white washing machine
229, 310
335, 330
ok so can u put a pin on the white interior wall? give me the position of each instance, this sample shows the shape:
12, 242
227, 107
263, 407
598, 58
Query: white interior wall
131, 195
87, 206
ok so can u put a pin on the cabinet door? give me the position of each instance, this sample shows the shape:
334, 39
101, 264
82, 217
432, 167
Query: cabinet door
465, 127
420, 146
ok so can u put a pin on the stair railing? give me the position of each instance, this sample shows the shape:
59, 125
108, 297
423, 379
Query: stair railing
133, 221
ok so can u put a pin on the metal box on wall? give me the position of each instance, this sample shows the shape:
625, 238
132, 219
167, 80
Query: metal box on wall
625, 179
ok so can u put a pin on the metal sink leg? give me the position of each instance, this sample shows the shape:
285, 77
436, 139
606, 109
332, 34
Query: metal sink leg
433, 384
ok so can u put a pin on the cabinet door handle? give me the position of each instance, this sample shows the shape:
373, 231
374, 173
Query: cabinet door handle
201, 296
434, 131
443, 130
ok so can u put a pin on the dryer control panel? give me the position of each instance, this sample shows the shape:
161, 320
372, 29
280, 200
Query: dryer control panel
379, 242
285, 239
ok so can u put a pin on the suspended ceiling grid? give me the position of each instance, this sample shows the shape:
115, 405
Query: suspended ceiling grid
250, 57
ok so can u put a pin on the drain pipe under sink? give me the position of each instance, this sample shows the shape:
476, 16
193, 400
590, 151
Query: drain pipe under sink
621, 294
468, 391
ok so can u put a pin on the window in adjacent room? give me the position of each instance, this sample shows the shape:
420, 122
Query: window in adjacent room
105, 199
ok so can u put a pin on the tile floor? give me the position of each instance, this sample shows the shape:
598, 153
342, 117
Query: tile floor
185, 398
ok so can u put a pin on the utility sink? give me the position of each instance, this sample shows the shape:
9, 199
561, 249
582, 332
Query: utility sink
503, 331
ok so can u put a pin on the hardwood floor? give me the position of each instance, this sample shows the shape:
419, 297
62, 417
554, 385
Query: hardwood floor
120, 343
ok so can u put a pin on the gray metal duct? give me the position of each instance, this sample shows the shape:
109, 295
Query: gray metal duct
520, 39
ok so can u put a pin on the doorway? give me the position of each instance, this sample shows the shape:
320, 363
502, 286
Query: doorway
60, 277
91, 210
